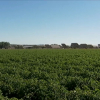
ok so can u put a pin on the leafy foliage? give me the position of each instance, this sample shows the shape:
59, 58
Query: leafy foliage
5, 45
45, 74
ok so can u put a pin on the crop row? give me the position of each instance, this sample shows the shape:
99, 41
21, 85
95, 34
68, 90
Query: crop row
45, 74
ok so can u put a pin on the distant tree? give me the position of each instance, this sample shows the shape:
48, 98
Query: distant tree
35, 46
89, 46
42, 46
74, 45
83, 46
5, 45
48, 46
18, 46
64, 46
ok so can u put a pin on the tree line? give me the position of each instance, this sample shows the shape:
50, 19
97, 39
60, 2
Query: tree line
6, 45
76, 45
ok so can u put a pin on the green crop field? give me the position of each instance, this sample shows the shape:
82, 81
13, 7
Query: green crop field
50, 74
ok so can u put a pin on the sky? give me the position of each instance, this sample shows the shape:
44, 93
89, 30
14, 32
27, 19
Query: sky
50, 21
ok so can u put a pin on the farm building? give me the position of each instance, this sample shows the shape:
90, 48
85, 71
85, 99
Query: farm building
27, 46
55, 46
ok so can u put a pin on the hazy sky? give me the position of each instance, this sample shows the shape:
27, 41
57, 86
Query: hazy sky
49, 21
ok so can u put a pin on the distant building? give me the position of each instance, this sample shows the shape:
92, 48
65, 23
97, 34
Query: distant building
55, 46
98, 45
27, 46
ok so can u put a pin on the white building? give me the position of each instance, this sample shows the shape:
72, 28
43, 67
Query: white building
55, 46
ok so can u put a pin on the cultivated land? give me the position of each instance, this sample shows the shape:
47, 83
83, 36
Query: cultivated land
44, 74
